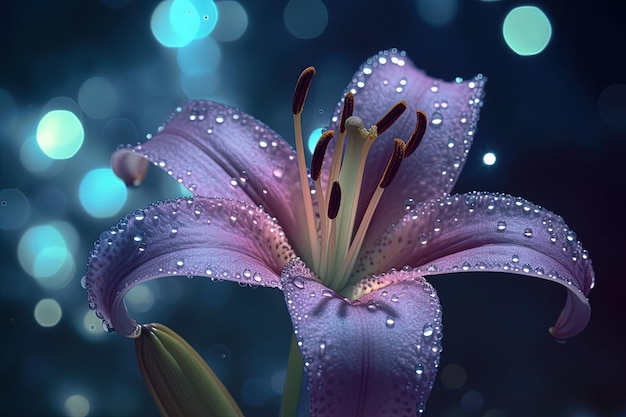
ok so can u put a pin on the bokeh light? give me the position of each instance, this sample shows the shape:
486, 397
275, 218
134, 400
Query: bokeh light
305, 19
437, 12
32, 157
612, 105
199, 57
43, 253
60, 134
176, 23
48, 312
472, 401
232, 22
200, 85
140, 298
76, 406
453, 376
208, 14
97, 98
91, 326
314, 138
102, 193
527, 30
489, 158
14, 209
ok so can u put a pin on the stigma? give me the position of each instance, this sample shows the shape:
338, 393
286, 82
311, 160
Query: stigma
334, 233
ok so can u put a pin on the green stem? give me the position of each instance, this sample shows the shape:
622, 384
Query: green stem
293, 381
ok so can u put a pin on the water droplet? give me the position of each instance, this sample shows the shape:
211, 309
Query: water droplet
298, 283
515, 258
390, 322
436, 119
139, 215
421, 407
277, 173
83, 282
322, 347
428, 330
419, 369
528, 232
257, 277
327, 293
219, 119
465, 266
409, 204
180, 263
138, 237
501, 225
173, 232
247, 274
435, 87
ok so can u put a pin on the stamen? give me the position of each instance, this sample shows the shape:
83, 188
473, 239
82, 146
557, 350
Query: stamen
299, 96
417, 135
348, 108
318, 154
302, 89
334, 200
391, 116
394, 163
355, 247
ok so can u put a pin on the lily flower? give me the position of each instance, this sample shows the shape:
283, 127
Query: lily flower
349, 241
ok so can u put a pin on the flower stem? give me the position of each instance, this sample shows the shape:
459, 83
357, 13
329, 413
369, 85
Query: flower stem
293, 381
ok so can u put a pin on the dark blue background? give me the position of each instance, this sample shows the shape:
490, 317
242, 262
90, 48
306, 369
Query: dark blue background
540, 116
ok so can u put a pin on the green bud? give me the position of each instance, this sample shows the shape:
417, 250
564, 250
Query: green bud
180, 382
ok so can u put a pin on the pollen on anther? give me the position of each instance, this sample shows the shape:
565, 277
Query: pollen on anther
334, 200
390, 117
394, 163
318, 154
302, 89
348, 108
418, 133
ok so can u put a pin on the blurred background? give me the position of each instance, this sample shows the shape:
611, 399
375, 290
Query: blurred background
78, 78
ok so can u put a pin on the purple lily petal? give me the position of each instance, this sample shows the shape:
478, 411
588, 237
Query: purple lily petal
219, 151
377, 356
489, 232
217, 238
453, 111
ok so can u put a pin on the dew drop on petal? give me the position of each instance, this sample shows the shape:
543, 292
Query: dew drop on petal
501, 225
390, 322
436, 119
528, 232
298, 283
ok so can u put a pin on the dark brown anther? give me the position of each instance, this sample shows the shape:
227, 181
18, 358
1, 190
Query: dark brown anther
394, 163
302, 89
334, 200
417, 135
318, 154
390, 117
348, 108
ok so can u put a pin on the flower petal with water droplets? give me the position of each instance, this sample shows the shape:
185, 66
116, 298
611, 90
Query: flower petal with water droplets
452, 109
216, 238
489, 232
219, 151
376, 356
